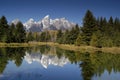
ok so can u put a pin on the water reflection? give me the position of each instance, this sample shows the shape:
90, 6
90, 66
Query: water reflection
11, 54
45, 59
44, 62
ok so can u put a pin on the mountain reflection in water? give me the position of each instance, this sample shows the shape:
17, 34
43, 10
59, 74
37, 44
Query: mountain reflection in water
51, 63
46, 60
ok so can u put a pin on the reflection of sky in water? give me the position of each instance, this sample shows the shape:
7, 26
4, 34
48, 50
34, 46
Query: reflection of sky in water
36, 66
107, 76
36, 71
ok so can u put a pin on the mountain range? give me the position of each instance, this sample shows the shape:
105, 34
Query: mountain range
46, 24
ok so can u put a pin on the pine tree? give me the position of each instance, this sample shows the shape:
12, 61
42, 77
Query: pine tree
110, 27
74, 34
30, 37
96, 40
20, 33
89, 26
12, 33
59, 36
37, 36
116, 24
78, 41
4, 29
66, 37
69, 36
103, 24
45, 36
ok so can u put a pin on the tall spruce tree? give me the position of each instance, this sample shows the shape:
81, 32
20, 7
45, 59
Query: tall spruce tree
12, 33
4, 29
74, 34
59, 36
89, 26
45, 36
79, 41
30, 36
96, 40
117, 24
102, 24
20, 33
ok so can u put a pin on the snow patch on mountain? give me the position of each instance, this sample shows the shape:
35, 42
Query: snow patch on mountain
48, 24
15, 21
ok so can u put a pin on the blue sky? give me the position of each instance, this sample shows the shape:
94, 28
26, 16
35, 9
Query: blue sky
73, 10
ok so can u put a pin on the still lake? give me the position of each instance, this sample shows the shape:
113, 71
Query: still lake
51, 63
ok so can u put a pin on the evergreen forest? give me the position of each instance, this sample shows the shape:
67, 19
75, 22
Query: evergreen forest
95, 31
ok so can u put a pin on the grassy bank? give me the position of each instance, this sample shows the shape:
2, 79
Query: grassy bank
30, 44
14, 44
64, 46
89, 48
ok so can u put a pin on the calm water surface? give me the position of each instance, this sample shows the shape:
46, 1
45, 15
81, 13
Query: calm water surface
51, 63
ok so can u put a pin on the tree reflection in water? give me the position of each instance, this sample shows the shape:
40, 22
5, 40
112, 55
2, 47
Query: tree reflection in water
93, 64
87, 67
11, 54
90, 64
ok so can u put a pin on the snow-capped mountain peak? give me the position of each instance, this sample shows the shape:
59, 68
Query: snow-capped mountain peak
29, 23
46, 24
47, 17
15, 21
31, 20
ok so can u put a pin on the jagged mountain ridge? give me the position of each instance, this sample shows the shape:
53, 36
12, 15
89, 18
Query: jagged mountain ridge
47, 24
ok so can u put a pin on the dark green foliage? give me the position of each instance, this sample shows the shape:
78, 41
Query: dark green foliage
30, 36
21, 35
90, 64
110, 32
59, 35
4, 29
74, 34
65, 36
37, 37
96, 39
87, 67
100, 32
45, 36
68, 37
117, 24
89, 26
79, 41
11, 54
116, 39
33, 36
12, 33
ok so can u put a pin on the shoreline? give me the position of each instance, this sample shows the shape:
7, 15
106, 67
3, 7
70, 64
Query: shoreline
64, 46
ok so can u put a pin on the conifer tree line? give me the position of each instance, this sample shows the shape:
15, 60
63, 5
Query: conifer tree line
11, 33
98, 32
